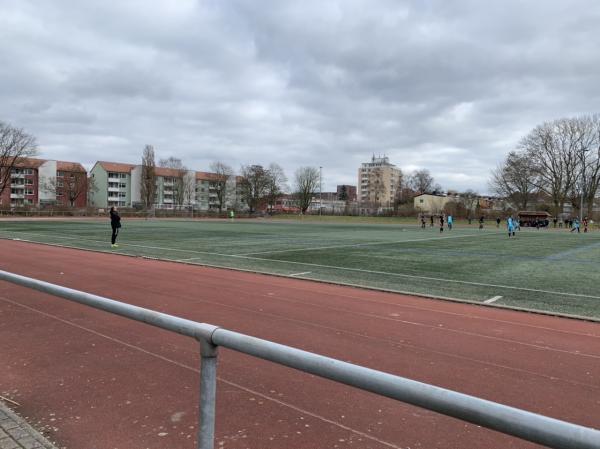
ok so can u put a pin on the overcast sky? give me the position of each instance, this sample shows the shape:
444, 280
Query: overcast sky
449, 86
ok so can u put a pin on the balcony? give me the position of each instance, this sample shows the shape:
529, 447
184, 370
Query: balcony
168, 184
117, 180
167, 200
17, 175
114, 189
17, 195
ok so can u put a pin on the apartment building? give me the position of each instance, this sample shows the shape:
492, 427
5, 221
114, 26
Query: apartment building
121, 185
173, 187
113, 182
378, 181
206, 192
346, 190
41, 182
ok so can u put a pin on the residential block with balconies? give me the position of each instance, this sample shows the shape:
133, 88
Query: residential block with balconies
39, 182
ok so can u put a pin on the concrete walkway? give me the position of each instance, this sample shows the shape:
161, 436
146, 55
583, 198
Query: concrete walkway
15, 433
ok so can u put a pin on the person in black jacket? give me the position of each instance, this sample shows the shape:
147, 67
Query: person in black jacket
115, 224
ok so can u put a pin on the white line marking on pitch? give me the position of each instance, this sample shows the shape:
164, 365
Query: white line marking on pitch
491, 300
300, 274
354, 245
308, 264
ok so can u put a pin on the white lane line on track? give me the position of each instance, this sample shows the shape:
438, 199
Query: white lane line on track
308, 264
300, 274
356, 334
492, 300
196, 370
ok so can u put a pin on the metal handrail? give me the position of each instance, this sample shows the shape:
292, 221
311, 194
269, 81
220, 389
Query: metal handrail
529, 426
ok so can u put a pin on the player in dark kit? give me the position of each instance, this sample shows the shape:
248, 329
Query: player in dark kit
115, 224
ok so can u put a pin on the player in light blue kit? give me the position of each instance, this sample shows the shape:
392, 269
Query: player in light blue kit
510, 224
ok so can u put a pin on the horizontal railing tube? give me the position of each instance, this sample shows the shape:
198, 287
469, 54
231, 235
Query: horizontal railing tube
199, 331
509, 420
513, 421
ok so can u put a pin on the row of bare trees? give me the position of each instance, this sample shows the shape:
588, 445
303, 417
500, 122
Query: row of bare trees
557, 161
257, 186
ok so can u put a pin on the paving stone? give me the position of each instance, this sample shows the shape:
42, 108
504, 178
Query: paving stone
29, 443
16, 433
8, 443
8, 424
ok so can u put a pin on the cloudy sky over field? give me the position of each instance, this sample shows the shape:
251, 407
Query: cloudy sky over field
449, 86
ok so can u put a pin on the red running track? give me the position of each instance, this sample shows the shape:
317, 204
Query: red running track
100, 381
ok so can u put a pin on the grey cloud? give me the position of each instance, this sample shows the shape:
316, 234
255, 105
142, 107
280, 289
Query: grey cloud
448, 86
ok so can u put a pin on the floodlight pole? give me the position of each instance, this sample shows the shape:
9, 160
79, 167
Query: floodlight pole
320, 190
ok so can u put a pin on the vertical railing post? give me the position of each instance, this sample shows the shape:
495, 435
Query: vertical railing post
208, 394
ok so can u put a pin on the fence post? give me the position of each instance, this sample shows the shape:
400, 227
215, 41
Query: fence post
208, 394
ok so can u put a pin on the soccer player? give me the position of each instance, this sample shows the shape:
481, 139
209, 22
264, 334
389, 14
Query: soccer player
511, 227
481, 222
115, 224
450, 222
441, 222
575, 226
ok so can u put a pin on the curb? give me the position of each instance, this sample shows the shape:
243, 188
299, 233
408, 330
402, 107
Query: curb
28, 433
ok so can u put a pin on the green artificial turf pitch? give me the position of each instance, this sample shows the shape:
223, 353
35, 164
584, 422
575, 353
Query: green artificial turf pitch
549, 270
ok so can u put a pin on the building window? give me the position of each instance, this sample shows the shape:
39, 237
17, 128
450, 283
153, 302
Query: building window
421, 200
60, 174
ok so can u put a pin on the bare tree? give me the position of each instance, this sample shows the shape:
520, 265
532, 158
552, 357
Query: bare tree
469, 199
306, 185
72, 186
176, 165
592, 164
223, 172
553, 149
276, 184
189, 188
15, 144
253, 185
515, 179
421, 182
148, 187
171, 162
